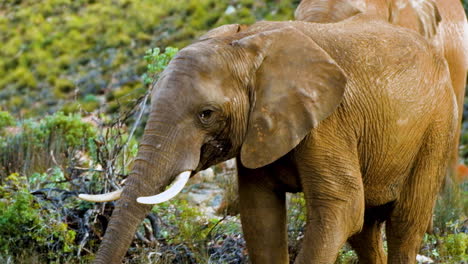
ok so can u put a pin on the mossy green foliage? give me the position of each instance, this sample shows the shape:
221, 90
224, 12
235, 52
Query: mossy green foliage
27, 227
59, 51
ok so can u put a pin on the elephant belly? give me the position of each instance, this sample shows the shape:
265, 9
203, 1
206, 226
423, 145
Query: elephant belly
384, 173
380, 195
384, 187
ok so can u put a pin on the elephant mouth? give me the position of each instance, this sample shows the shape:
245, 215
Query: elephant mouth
213, 152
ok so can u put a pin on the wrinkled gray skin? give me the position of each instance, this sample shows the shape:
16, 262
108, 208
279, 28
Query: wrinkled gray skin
358, 116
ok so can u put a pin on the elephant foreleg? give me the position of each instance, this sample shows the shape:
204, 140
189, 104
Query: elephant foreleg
263, 217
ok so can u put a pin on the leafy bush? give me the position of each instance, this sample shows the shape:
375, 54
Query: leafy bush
191, 228
26, 226
70, 128
5, 120
297, 217
157, 62
38, 145
451, 207
184, 235
454, 248
450, 248
346, 256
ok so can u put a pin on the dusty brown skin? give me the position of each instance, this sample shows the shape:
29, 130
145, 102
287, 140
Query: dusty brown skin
442, 22
358, 116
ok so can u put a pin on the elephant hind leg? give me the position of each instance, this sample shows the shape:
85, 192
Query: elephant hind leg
332, 185
413, 210
368, 243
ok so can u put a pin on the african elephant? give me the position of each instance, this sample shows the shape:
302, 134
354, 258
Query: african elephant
358, 116
442, 22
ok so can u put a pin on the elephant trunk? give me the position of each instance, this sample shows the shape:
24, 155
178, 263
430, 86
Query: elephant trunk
125, 219
153, 169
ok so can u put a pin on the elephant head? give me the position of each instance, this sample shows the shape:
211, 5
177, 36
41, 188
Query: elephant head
234, 93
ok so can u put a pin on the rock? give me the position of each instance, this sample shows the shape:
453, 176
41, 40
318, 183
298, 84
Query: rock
423, 259
230, 10
206, 175
231, 164
207, 197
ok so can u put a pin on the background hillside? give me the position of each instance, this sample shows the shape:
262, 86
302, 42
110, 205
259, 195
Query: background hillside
72, 90
77, 55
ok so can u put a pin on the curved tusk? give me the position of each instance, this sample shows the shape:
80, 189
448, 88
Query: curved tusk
177, 186
100, 198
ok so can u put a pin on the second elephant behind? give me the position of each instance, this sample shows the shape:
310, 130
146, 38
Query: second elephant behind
442, 22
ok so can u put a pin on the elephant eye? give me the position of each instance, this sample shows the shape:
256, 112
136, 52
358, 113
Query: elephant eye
205, 115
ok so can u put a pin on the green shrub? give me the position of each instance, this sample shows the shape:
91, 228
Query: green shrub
70, 128
346, 256
297, 217
54, 178
6, 120
451, 207
449, 248
187, 236
454, 248
189, 224
40, 145
157, 62
26, 226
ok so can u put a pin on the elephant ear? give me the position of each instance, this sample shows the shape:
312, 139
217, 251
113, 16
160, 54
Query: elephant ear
297, 84
327, 11
222, 31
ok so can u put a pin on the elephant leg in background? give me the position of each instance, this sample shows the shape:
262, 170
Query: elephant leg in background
452, 42
458, 75
368, 243
413, 210
333, 215
263, 216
